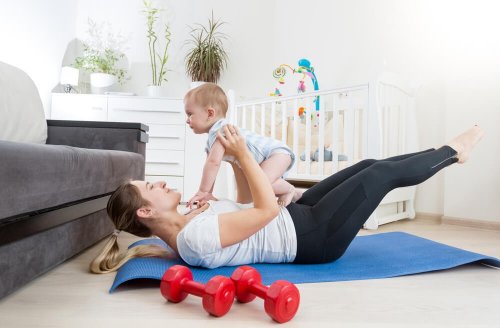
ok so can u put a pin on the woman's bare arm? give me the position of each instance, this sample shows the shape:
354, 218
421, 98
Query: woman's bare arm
243, 195
237, 226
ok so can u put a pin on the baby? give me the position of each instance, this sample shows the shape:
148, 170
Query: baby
206, 108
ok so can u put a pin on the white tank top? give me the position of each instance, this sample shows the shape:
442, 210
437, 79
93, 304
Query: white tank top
198, 243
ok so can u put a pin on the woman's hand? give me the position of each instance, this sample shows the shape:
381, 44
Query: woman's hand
201, 198
233, 142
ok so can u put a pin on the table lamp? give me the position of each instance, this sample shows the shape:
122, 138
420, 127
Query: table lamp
69, 78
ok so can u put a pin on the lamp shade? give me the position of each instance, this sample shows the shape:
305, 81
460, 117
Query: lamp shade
69, 75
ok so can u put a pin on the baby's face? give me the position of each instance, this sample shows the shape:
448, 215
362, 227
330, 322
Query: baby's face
197, 117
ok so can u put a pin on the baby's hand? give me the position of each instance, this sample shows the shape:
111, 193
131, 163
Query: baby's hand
201, 197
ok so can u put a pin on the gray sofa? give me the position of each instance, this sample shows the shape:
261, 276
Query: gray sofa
53, 196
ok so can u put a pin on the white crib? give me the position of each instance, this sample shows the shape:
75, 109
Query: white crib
372, 120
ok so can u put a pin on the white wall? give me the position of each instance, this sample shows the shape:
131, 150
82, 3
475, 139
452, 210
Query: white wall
472, 96
350, 42
245, 66
34, 36
472, 190
248, 27
126, 17
450, 47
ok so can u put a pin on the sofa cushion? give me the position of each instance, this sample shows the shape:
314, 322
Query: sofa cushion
36, 177
21, 110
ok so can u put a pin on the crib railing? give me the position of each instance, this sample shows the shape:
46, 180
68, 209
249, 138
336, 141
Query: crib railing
374, 120
327, 129
396, 110
393, 122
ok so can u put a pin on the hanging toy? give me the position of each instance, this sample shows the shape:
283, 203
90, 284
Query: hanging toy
279, 74
307, 71
306, 68
302, 87
276, 93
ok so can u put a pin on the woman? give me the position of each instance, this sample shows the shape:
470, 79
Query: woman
318, 228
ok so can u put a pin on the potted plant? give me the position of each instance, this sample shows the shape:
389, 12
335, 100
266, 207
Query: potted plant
158, 60
101, 53
207, 57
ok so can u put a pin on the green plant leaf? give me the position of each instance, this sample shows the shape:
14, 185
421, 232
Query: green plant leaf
207, 57
158, 62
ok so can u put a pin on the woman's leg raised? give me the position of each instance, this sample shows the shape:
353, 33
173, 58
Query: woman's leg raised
339, 215
312, 195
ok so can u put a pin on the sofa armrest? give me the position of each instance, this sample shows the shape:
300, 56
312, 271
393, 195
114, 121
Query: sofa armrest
130, 137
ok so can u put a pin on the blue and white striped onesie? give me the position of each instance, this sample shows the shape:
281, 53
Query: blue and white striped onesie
261, 147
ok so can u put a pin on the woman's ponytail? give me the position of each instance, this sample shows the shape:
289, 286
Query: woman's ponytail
110, 259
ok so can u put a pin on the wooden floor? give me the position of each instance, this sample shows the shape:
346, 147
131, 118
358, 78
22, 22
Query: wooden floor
469, 296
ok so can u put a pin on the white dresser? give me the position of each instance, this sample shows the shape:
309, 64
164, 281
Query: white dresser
168, 157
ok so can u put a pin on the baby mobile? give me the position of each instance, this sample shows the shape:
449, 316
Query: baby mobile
306, 70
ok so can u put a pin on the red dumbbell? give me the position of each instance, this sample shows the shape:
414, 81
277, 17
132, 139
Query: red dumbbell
281, 299
217, 295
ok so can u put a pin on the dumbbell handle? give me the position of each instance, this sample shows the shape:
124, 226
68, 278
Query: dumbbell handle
258, 289
192, 287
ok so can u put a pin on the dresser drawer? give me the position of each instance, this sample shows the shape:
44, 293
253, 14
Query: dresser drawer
164, 162
79, 107
146, 110
170, 137
173, 182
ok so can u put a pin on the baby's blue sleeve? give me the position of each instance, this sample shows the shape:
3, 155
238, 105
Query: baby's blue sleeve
210, 141
212, 136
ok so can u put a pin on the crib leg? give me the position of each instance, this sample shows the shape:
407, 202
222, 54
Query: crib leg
372, 222
410, 208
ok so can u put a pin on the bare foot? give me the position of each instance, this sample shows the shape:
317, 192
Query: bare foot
285, 199
465, 142
298, 193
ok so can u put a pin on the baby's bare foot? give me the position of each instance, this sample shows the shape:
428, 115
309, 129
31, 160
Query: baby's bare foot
285, 199
465, 142
297, 195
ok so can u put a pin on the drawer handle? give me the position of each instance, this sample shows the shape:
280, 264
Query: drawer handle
146, 110
157, 162
168, 137
96, 108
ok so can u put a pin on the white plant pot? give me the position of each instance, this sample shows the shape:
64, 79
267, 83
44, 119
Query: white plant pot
196, 84
156, 91
102, 82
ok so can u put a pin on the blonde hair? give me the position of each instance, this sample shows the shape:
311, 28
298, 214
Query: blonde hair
121, 209
209, 95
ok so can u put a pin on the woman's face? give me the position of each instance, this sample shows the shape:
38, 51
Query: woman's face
159, 195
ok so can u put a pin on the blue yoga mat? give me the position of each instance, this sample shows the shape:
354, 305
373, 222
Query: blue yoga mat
377, 256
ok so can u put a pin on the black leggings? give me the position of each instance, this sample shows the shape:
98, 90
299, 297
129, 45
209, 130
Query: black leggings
331, 213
